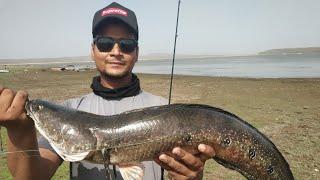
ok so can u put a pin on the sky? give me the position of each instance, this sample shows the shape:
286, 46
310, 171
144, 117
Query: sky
62, 28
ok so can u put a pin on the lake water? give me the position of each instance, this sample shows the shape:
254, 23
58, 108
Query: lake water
286, 66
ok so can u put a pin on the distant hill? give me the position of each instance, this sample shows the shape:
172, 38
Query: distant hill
289, 51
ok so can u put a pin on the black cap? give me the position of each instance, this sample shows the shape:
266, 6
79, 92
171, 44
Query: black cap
115, 11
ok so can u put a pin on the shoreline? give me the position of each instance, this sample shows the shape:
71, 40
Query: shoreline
34, 67
229, 77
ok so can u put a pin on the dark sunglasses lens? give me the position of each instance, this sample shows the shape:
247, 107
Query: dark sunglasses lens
127, 45
105, 44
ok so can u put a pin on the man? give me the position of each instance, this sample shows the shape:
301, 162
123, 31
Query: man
115, 90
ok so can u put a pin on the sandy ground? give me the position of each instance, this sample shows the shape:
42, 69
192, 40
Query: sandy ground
286, 110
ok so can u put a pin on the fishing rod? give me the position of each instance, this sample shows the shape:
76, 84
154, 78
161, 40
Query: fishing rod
174, 52
172, 66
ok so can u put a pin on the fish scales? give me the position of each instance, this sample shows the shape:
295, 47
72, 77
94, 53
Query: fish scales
144, 134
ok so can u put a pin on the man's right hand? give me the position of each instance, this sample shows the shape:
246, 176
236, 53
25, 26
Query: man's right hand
22, 138
12, 111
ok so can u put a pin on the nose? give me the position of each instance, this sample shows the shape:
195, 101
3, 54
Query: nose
116, 50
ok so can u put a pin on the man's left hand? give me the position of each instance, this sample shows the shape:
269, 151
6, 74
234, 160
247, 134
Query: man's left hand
185, 165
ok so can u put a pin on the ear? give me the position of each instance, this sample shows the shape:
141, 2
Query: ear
92, 51
137, 53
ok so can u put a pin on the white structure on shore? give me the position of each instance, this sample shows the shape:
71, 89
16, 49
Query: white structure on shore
4, 70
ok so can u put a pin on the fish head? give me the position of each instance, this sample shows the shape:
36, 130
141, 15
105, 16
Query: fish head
34, 108
56, 123
46, 117
39, 111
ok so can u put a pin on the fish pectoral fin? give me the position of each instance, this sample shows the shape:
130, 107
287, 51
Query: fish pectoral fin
132, 171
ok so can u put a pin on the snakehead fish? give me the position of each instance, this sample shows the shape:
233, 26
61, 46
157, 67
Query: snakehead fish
144, 134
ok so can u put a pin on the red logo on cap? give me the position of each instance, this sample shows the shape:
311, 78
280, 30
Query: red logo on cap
110, 11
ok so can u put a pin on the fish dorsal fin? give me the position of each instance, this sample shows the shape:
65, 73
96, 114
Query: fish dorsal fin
132, 171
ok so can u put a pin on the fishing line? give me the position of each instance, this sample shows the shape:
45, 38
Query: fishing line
174, 52
22, 151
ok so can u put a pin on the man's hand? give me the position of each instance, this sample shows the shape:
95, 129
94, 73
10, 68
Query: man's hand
185, 165
21, 137
12, 113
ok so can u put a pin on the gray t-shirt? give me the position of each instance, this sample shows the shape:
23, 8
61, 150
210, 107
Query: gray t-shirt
98, 105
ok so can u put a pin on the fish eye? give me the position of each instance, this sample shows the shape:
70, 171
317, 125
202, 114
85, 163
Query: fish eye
38, 107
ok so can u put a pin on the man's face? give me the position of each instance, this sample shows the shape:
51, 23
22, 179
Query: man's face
115, 63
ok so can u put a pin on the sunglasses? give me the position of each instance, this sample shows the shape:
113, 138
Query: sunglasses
105, 44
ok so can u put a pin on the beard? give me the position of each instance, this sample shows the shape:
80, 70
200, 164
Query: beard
114, 76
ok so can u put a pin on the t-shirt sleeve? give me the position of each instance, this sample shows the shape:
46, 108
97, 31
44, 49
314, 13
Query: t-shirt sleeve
163, 101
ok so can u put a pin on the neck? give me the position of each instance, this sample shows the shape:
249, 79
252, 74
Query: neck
113, 83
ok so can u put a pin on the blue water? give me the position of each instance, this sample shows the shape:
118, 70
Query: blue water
289, 66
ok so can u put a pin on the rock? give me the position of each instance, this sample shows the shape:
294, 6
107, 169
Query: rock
305, 107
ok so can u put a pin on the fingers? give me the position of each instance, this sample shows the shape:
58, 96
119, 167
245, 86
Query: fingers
188, 159
206, 152
6, 98
172, 165
162, 164
183, 164
17, 106
11, 104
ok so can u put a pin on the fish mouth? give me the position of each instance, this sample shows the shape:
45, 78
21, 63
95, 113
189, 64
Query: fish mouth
28, 108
